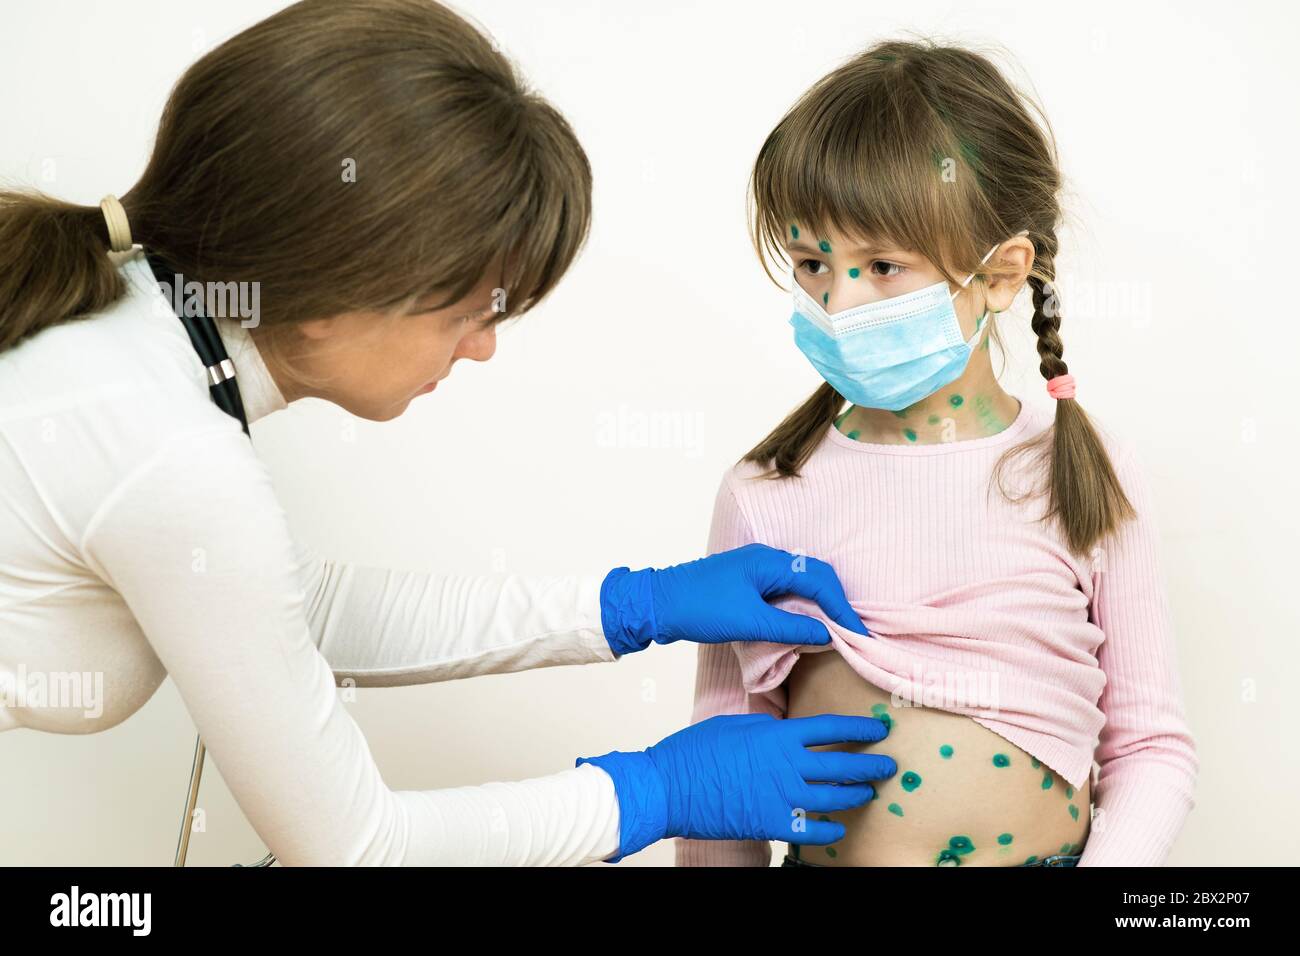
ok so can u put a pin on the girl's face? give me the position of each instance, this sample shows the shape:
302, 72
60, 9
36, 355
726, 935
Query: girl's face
843, 274
377, 364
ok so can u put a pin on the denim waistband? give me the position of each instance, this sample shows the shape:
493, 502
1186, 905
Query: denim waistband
1054, 859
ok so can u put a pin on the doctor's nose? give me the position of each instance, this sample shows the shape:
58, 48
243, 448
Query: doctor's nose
478, 346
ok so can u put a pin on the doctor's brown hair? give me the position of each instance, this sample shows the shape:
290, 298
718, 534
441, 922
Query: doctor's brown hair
459, 170
864, 152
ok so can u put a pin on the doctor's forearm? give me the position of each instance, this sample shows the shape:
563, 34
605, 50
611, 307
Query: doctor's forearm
382, 627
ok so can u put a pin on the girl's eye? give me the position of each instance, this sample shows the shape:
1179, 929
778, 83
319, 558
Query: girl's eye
805, 263
887, 265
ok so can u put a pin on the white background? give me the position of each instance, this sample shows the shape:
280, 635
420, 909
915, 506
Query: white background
1177, 133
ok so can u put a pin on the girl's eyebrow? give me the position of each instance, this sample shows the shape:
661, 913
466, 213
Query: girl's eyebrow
866, 250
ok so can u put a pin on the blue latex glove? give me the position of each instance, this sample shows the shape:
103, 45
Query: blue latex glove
744, 777
722, 598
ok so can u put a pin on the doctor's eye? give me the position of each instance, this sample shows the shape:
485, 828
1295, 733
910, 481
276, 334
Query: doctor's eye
804, 263
887, 265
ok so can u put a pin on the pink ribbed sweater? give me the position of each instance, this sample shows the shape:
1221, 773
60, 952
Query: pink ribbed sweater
954, 579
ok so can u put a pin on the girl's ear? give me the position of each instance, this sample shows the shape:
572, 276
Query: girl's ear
1015, 258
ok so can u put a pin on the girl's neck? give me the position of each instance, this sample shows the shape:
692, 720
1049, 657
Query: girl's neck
973, 406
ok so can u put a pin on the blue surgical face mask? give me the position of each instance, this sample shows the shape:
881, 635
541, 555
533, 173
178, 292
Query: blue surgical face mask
891, 353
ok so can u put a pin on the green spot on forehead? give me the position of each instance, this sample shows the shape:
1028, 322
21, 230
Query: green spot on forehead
824, 246
794, 231
1001, 760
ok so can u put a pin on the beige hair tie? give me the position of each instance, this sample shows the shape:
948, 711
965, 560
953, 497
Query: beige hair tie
119, 230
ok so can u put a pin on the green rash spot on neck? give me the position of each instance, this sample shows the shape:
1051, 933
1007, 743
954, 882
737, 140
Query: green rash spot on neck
985, 344
854, 273
1033, 762
794, 230
955, 401
1004, 838
900, 413
933, 419
910, 780
945, 751
854, 434
895, 809
1047, 781
1069, 792
1074, 811
1001, 760
911, 435
824, 246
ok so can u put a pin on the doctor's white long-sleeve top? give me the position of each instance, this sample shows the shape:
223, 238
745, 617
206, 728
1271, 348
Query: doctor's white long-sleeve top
140, 537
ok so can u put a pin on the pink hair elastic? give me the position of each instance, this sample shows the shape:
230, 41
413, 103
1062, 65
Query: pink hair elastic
1061, 387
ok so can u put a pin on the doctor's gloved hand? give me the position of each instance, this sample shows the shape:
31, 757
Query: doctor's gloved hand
723, 598
744, 777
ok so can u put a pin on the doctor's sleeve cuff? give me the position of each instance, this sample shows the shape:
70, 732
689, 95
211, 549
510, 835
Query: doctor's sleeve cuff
642, 799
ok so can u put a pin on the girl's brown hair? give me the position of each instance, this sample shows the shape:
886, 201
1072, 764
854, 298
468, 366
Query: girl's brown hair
347, 156
928, 147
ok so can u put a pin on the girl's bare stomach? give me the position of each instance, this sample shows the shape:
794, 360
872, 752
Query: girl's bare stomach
962, 795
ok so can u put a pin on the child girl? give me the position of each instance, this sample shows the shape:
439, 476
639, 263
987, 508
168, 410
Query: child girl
1002, 554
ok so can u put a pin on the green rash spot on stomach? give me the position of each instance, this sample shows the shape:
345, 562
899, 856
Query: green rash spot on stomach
1001, 760
1004, 838
1074, 811
1030, 860
961, 845
910, 780
1069, 792
895, 809
1047, 781
945, 751
1033, 762
911, 435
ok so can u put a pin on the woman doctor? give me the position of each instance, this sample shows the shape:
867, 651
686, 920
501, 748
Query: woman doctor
381, 178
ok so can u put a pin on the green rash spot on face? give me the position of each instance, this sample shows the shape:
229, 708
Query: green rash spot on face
945, 751
1033, 762
1069, 792
854, 434
895, 809
933, 419
1047, 781
1001, 760
794, 230
1004, 838
824, 246
911, 435
910, 780
826, 298
1074, 811
854, 273
955, 401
